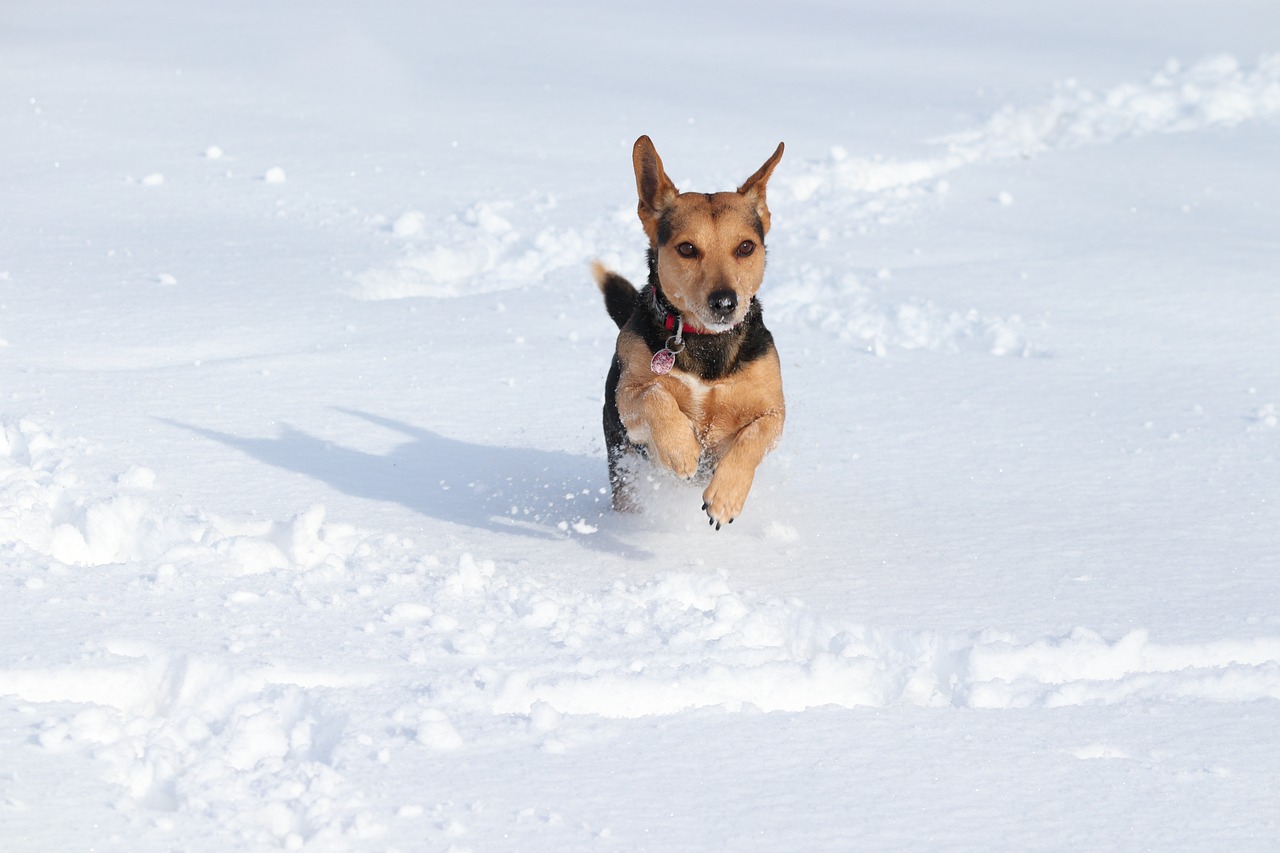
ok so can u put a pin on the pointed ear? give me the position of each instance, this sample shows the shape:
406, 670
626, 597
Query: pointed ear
655, 189
753, 187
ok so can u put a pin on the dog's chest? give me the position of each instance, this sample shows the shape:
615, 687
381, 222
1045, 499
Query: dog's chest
706, 404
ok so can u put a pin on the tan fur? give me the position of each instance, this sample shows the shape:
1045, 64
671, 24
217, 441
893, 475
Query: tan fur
599, 272
732, 422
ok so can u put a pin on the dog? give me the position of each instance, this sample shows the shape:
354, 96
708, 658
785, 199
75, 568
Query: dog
696, 382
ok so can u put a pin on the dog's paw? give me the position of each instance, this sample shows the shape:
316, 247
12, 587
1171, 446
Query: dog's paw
724, 497
680, 453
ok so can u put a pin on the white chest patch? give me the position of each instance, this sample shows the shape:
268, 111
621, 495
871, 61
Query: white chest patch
699, 390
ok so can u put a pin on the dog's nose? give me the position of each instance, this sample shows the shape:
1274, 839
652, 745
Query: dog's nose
723, 302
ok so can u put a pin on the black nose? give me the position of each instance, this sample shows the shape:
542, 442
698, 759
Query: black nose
723, 302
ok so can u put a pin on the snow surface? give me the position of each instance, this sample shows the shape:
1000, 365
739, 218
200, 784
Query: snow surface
302, 489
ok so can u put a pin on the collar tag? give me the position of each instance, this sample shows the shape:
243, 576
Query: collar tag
662, 362
665, 359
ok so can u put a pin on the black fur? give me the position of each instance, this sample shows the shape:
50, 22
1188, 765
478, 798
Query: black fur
616, 442
664, 232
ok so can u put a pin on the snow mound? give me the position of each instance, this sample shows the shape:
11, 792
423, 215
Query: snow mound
477, 250
48, 510
200, 735
839, 304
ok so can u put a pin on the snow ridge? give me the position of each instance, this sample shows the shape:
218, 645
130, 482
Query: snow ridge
1216, 92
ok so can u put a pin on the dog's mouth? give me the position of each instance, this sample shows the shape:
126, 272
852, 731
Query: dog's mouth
713, 323
719, 325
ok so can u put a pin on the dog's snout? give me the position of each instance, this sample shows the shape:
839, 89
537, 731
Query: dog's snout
723, 302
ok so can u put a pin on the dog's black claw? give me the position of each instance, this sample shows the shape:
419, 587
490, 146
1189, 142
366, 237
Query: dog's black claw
731, 521
717, 525
704, 506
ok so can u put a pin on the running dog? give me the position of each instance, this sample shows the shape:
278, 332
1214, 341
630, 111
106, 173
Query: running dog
696, 383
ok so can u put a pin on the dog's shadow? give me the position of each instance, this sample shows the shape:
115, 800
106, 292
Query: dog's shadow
536, 493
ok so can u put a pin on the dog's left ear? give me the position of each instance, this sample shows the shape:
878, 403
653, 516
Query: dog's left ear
753, 187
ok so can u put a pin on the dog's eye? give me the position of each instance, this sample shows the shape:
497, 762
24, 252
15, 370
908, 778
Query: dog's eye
745, 248
687, 250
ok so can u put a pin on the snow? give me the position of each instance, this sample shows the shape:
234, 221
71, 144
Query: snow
303, 507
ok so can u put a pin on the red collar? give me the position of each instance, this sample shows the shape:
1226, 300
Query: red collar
669, 323
670, 318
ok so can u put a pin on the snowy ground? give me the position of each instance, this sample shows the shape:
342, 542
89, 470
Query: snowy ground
302, 522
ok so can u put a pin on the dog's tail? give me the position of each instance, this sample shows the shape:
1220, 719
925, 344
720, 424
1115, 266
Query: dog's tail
619, 294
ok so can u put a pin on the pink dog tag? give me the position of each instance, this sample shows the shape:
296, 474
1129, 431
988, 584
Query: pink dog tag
662, 362
665, 359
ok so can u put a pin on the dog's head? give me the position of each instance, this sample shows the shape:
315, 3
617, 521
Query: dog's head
709, 247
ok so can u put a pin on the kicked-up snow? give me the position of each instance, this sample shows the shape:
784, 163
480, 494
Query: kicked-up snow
304, 519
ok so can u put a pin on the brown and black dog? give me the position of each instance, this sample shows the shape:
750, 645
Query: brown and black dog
696, 384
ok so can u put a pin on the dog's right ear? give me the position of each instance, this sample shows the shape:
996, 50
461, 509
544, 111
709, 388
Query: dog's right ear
753, 187
655, 189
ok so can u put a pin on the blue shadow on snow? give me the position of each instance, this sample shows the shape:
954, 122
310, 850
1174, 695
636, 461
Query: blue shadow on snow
521, 491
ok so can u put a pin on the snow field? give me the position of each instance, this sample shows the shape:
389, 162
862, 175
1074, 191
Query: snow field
1008, 581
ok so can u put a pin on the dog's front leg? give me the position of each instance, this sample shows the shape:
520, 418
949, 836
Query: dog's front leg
650, 413
653, 418
725, 496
